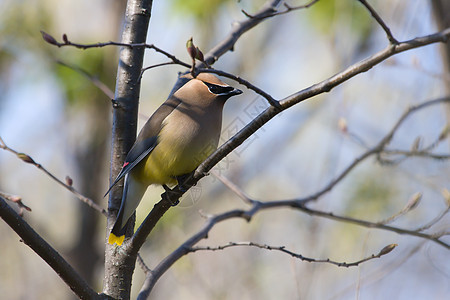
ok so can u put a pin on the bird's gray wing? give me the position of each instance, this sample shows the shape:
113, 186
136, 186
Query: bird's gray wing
147, 138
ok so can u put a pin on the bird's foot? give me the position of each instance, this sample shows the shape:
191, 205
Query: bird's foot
171, 196
183, 184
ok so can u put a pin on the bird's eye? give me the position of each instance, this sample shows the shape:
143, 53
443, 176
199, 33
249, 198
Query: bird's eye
214, 89
218, 89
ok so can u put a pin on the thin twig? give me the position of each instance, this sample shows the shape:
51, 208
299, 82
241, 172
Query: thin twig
314, 90
94, 79
238, 191
381, 273
380, 21
257, 206
283, 249
277, 13
143, 265
67, 43
26, 158
422, 153
412, 203
244, 82
155, 66
238, 29
431, 237
434, 221
16, 199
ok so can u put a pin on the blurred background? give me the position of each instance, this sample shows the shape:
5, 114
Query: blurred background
58, 117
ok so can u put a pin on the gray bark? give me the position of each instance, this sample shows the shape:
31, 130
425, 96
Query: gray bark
119, 265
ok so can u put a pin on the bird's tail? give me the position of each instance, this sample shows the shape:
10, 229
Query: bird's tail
132, 194
117, 234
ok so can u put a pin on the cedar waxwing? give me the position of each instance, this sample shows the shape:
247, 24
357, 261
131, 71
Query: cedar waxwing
181, 133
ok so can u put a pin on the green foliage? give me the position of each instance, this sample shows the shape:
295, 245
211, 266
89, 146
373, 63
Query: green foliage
326, 14
372, 196
79, 90
31, 20
200, 9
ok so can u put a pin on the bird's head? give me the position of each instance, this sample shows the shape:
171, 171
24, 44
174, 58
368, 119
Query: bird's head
205, 90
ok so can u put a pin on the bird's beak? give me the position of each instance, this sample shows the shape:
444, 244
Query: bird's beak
235, 92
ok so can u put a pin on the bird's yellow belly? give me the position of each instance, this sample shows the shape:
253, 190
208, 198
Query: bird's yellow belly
174, 157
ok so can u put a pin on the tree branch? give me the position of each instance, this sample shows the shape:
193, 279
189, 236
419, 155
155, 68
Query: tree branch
94, 79
242, 81
298, 204
387, 249
277, 13
47, 253
239, 28
131, 45
119, 265
431, 237
26, 158
314, 90
16, 199
380, 21
256, 207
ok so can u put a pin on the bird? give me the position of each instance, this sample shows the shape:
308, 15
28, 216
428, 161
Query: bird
179, 136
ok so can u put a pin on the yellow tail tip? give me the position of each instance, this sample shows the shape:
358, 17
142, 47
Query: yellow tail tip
115, 239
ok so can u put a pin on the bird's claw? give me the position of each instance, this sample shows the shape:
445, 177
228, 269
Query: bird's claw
171, 196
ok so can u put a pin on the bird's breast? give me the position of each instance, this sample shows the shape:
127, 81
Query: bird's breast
185, 140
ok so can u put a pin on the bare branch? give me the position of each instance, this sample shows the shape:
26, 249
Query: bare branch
143, 265
283, 249
94, 79
380, 21
438, 217
422, 153
238, 191
182, 250
47, 253
300, 203
16, 199
68, 43
155, 66
244, 82
380, 273
277, 13
314, 90
412, 203
26, 158
431, 237
239, 28
256, 207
